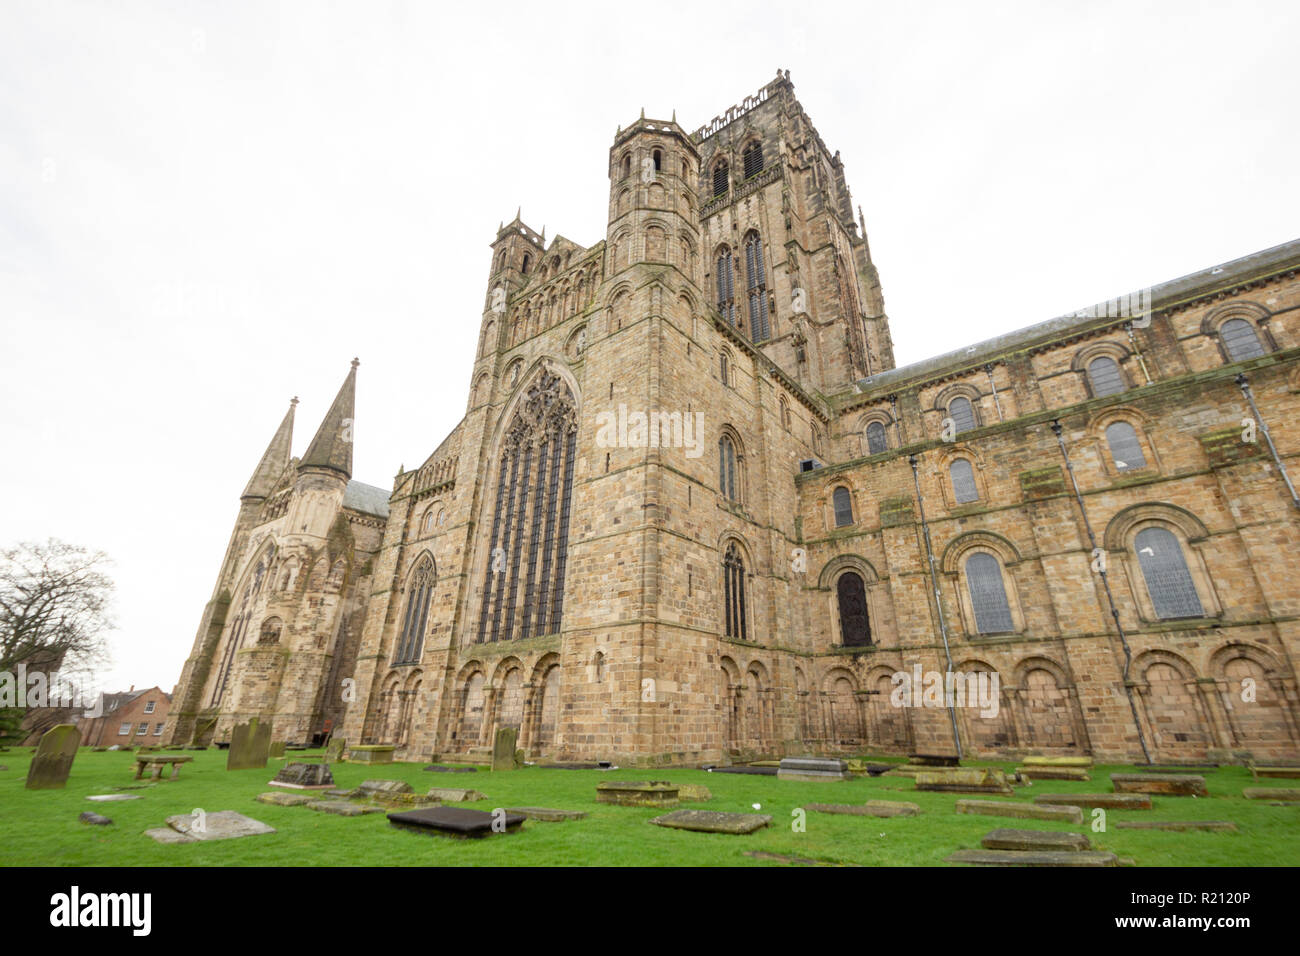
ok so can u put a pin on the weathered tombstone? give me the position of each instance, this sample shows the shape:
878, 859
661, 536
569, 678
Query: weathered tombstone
1167, 784
503, 749
1088, 858
304, 776
1285, 794
1226, 826
279, 798
457, 821
872, 808
335, 748
816, 769
371, 753
369, 788
53, 758
547, 814
1029, 840
1090, 801
713, 821
1022, 811
454, 795
276, 749
641, 793
221, 825
94, 819
982, 780
250, 744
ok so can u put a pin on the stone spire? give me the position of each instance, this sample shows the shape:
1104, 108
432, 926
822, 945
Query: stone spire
275, 459
332, 446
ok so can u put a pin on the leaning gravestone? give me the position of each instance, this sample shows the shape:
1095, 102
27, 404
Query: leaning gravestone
335, 748
276, 749
503, 749
53, 758
304, 776
250, 745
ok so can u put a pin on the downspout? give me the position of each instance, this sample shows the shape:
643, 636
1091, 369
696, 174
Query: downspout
1263, 427
1132, 340
994, 385
938, 604
1105, 583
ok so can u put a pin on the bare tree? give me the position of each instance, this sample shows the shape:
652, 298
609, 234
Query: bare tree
54, 600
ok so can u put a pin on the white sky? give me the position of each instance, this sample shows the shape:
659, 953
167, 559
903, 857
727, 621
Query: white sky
206, 209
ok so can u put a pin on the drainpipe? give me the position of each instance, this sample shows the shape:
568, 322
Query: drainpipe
1132, 340
898, 422
938, 604
1105, 583
1263, 427
994, 385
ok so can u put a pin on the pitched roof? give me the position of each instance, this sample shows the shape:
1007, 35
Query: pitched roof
366, 498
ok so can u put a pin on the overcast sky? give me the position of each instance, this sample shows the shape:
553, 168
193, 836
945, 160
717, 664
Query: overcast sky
206, 209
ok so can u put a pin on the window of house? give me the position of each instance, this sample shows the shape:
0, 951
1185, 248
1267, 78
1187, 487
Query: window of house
1104, 374
142, 729
726, 287
149, 705
964, 489
124, 731
1173, 595
988, 595
157, 730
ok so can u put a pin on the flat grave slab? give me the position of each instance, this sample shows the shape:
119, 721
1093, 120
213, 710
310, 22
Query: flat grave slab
693, 793
547, 814
371, 754
1024, 840
343, 808
1021, 811
371, 787
110, 797
1289, 794
458, 822
965, 781
168, 835
455, 795
1180, 768
1226, 826
713, 821
304, 776
872, 808
791, 860
1290, 773
751, 771
1078, 774
1089, 858
812, 769
1165, 784
221, 825
280, 798
639, 793
1083, 763
94, 819
934, 760
438, 768
1089, 801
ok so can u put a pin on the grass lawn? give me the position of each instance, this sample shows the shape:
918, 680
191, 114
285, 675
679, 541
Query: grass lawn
40, 827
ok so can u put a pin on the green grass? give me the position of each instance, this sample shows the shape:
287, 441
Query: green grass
40, 827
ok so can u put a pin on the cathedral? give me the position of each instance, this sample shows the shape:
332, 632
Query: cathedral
695, 513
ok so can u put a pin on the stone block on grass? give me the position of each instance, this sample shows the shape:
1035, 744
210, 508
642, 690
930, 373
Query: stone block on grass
872, 808
455, 795
94, 819
1088, 858
1021, 811
281, 798
713, 821
812, 769
975, 780
457, 822
250, 745
1076, 774
1164, 784
1090, 801
221, 825
547, 814
1226, 826
1024, 840
1285, 794
640, 793
368, 753
343, 808
52, 761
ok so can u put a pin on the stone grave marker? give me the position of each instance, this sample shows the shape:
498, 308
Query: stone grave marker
1021, 811
750, 771
94, 819
343, 808
220, 825
1089, 801
276, 749
109, 797
1165, 784
250, 744
547, 814
304, 776
965, 781
369, 788
438, 768
1288, 773
335, 749
1285, 794
713, 821
1088, 858
503, 749
53, 758
1224, 825
872, 808
1050, 840
641, 793
279, 798
458, 822
815, 769
455, 795
371, 753
693, 793
1031, 772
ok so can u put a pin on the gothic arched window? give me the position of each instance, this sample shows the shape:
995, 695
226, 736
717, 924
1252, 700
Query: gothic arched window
964, 489
753, 159
843, 502
961, 413
1105, 377
988, 595
728, 469
733, 589
726, 287
759, 329
876, 440
1165, 571
528, 544
410, 643
721, 178
724, 368
1125, 449
855, 627
1240, 340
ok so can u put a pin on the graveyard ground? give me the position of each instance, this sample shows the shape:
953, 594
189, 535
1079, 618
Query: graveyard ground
41, 827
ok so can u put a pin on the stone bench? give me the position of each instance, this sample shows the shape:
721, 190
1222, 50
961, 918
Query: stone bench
157, 762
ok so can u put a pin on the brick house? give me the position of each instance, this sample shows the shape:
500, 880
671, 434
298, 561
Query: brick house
133, 718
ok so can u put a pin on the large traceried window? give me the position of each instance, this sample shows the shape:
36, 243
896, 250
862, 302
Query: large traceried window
239, 626
410, 643
759, 327
1240, 340
527, 553
1105, 377
726, 287
1164, 569
988, 595
1125, 449
733, 587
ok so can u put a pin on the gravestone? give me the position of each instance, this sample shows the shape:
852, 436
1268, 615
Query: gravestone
1165, 784
814, 769
641, 793
335, 748
276, 749
934, 760
1076, 774
455, 795
750, 771
1082, 763
1089, 801
53, 758
457, 822
221, 825
372, 753
250, 744
1050, 840
965, 781
438, 768
1286, 794
1224, 825
304, 776
547, 814
713, 821
503, 749
110, 797
693, 793
1021, 811
282, 799
94, 819
872, 808
1087, 858
1289, 773
369, 788
343, 808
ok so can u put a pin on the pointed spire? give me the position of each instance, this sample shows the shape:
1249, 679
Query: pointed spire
274, 460
332, 446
